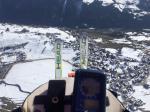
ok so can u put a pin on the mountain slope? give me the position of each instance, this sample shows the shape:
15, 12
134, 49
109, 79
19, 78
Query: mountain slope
83, 13
135, 6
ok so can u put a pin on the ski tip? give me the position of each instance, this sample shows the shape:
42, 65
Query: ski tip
71, 74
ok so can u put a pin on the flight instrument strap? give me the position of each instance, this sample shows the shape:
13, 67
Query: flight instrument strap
54, 100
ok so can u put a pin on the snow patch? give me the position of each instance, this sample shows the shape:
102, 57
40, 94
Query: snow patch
130, 5
142, 94
59, 33
11, 39
38, 45
131, 53
119, 70
68, 54
133, 64
88, 1
140, 38
13, 93
121, 41
99, 40
106, 3
111, 50
131, 33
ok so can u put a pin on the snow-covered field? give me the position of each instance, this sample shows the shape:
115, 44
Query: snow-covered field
38, 40
131, 53
29, 76
143, 95
38, 50
25, 43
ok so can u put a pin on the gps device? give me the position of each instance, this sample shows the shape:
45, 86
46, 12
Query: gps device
89, 91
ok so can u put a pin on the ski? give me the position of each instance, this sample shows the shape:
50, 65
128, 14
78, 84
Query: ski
58, 59
83, 52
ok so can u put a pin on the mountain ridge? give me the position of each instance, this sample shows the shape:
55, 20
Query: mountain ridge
81, 13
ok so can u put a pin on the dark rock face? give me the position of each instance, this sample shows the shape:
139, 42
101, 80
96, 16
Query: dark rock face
31, 11
96, 15
145, 5
71, 13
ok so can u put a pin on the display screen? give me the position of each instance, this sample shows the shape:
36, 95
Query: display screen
90, 104
89, 92
90, 87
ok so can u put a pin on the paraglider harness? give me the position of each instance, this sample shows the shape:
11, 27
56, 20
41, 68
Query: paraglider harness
55, 100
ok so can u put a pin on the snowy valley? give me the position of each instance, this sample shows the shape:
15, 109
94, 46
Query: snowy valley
27, 61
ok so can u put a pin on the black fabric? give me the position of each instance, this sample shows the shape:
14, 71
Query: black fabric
54, 100
43, 100
126, 110
17, 110
40, 100
107, 101
56, 93
68, 99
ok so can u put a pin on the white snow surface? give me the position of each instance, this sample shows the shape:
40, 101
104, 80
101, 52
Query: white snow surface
88, 1
29, 76
32, 74
129, 4
140, 38
38, 46
131, 53
111, 50
13, 93
98, 40
123, 2
143, 95
64, 35
121, 41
